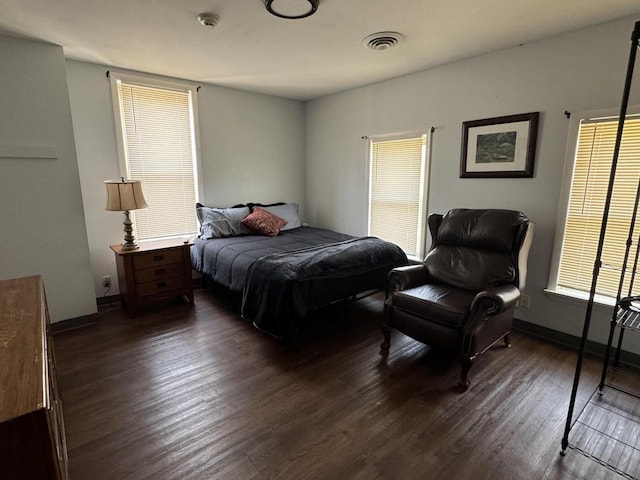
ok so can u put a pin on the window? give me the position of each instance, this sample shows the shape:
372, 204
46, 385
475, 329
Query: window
585, 195
157, 143
397, 184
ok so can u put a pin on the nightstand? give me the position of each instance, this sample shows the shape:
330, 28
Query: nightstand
155, 271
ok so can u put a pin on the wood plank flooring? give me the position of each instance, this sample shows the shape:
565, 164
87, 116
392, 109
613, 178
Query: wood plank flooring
195, 392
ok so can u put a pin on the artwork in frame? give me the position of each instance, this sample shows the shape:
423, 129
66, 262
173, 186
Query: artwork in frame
499, 147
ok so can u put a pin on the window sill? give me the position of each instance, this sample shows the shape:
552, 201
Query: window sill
183, 236
576, 297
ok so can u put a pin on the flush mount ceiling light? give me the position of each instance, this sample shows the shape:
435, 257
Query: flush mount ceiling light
382, 40
291, 9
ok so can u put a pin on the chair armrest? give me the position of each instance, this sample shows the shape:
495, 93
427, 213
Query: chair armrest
409, 276
496, 300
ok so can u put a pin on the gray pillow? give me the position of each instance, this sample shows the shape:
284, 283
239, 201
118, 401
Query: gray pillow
216, 225
233, 217
289, 212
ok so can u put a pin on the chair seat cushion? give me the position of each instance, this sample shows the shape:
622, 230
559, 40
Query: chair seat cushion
442, 304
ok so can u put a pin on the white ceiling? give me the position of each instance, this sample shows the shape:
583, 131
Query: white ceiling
303, 59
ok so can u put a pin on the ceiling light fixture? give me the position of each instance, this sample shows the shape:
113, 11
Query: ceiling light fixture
291, 9
382, 40
208, 20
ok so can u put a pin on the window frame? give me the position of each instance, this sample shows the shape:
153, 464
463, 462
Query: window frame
116, 76
421, 241
563, 203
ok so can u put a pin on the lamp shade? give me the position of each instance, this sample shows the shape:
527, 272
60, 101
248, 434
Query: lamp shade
124, 195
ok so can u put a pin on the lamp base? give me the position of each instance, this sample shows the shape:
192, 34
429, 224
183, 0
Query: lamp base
130, 246
129, 240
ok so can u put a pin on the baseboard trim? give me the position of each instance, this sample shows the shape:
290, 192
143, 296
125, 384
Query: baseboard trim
92, 319
86, 320
73, 323
108, 300
566, 339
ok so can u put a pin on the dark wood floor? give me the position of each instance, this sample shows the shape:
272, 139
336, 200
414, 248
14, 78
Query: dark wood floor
195, 392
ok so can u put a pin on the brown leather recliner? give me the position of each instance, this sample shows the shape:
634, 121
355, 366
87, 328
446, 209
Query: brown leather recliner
462, 297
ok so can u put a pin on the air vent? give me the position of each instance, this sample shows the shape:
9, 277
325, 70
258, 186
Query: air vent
208, 20
382, 40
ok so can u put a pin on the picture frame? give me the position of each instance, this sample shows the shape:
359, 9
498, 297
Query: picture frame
499, 147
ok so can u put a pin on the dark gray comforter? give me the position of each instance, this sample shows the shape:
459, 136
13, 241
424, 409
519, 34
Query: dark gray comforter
282, 278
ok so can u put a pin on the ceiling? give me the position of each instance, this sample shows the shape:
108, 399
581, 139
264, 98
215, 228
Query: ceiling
253, 50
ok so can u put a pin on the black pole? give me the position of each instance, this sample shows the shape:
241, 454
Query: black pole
603, 229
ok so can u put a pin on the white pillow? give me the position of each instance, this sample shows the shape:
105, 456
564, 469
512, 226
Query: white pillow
289, 212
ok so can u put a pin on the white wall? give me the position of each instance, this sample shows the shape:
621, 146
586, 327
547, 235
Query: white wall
41, 216
582, 70
252, 150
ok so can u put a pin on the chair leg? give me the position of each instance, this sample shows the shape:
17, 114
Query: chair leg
465, 366
507, 340
386, 344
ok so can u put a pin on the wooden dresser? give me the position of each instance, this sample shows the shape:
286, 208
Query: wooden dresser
32, 440
155, 271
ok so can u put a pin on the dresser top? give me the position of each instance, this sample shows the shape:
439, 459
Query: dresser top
22, 347
152, 245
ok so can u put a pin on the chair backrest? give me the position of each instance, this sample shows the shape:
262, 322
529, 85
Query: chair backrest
476, 249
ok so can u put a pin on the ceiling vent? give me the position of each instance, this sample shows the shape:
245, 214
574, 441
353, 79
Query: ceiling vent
382, 40
208, 20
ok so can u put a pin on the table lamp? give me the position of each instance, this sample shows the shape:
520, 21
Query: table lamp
123, 196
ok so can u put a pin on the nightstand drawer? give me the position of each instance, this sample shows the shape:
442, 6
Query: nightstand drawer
159, 286
160, 257
159, 272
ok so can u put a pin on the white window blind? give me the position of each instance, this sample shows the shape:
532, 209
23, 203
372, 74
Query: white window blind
396, 192
593, 159
159, 148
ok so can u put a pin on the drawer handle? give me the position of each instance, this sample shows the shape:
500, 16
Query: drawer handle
160, 271
157, 258
161, 285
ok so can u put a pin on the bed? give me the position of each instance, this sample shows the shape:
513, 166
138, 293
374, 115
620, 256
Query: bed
282, 277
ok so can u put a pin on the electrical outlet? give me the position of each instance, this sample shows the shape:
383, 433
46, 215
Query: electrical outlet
525, 301
106, 281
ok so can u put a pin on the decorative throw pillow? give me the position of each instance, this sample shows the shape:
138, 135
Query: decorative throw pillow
263, 222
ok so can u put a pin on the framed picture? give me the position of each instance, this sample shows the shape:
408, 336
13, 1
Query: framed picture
499, 147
